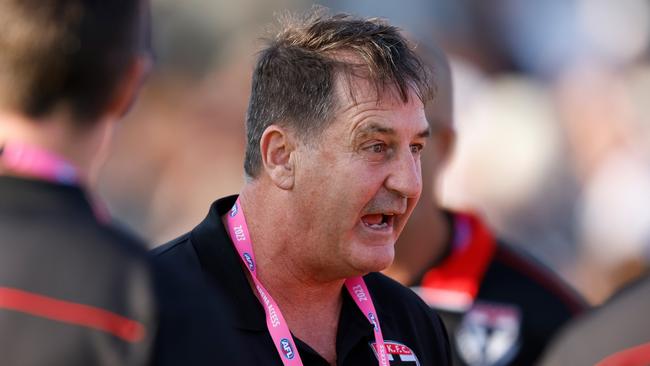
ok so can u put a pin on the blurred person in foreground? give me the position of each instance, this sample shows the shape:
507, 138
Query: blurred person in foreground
74, 290
610, 129
500, 306
335, 127
616, 333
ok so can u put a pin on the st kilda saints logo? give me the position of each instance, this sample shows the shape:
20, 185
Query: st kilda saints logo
489, 334
398, 353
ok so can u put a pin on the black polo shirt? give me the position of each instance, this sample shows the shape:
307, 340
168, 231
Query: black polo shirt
413, 333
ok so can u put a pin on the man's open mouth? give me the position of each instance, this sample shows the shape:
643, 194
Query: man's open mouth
378, 221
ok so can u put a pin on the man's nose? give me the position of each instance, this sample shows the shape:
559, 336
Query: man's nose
405, 177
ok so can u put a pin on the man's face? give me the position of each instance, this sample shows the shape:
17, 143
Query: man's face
360, 181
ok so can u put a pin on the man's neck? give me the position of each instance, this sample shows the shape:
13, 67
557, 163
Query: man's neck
299, 292
58, 136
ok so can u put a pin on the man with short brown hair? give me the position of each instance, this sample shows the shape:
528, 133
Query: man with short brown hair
335, 128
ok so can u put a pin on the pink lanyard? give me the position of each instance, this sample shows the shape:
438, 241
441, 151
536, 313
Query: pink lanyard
34, 162
31, 161
278, 327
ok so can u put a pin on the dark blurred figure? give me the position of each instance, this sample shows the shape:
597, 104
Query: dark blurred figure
500, 307
616, 333
75, 290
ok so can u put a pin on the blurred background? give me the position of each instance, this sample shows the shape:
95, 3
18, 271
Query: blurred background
551, 113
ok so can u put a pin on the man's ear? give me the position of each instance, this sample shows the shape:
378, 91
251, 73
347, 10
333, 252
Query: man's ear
276, 148
127, 89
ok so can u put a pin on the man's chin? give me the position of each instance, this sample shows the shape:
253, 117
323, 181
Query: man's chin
375, 259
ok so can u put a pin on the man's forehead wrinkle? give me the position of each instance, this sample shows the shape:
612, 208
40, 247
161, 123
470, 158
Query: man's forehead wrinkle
367, 102
368, 121
358, 104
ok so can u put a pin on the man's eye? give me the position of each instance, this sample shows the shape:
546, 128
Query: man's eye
416, 148
378, 148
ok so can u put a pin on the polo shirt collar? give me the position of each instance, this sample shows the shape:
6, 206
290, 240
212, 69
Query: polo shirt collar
32, 196
220, 260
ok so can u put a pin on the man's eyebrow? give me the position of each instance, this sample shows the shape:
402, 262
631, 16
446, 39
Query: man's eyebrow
371, 128
425, 133
377, 128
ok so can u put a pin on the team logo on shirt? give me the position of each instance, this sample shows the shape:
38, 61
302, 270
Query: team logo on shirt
249, 261
233, 210
398, 353
287, 350
488, 334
